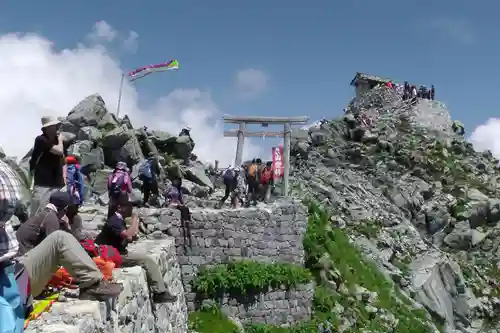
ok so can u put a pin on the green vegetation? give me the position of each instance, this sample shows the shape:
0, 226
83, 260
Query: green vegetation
246, 276
211, 320
354, 271
329, 256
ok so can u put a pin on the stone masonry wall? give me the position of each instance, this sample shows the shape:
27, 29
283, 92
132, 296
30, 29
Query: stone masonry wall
272, 233
133, 310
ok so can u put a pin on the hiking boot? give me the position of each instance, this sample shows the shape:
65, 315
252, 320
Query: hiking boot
101, 289
164, 297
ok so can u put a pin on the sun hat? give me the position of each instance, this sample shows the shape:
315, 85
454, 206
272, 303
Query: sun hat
49, 121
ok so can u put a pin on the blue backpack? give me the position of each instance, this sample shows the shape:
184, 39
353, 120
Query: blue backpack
145, 170
228, 177
75, 183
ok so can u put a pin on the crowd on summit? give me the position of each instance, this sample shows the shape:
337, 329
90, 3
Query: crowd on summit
248, 184
411, 92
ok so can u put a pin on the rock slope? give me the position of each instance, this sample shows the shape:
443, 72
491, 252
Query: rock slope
415, 198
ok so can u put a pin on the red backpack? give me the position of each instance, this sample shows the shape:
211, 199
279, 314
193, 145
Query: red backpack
106, 252
267, 175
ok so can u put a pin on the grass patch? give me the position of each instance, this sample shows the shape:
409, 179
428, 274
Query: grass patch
242, 277
354, 271
211, 320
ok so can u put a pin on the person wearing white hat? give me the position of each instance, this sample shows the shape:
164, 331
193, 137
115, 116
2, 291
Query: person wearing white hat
46, 164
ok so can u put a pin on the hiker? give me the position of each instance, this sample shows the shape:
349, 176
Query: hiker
389, 84
406, 91
229, 179
267, 181
432, 92
116, 234
12, 309
118, 182
46, 164
253, 180
458, 127
75, 183
239, 191
44, 246
175, 199
149, 171
413, 94
75, 222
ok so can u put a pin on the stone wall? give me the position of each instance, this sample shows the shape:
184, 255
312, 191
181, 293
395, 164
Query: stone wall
133, 310
272, 233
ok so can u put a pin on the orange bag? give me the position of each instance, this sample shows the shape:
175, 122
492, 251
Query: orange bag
106, 267
62, 279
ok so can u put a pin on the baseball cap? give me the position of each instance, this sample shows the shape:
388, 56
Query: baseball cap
60, 200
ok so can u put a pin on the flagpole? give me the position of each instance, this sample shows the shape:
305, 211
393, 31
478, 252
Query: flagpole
120, 96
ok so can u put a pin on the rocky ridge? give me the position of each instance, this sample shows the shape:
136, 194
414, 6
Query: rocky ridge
401, 234
416, 199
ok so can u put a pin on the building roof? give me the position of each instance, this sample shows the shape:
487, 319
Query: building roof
367, 77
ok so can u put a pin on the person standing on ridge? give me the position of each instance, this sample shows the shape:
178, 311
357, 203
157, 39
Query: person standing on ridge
118, 182
46, 164
433, 92
149, 172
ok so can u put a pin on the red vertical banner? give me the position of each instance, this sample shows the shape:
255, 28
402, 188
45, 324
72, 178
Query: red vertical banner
278, 166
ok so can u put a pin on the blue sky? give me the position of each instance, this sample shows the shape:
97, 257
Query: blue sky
309, 51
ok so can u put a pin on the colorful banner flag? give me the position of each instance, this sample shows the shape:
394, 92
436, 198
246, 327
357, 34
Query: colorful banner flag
142, 72
278, 166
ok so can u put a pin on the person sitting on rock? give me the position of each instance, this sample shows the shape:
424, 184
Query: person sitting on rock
116, 234
46, 164
149, 172
45, 245
118, 182
75, 223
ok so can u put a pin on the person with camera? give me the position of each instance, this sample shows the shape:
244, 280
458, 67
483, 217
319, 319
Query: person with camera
46, 164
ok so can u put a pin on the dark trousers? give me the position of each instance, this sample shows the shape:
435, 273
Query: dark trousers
253, 188
227, 192
149, 187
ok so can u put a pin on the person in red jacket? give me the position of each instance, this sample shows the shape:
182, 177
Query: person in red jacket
267, 180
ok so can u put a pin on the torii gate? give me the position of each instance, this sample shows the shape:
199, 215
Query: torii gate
241, 133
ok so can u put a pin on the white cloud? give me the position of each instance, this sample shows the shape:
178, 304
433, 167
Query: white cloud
40, 80
487, 137
102, 31
251, 83
131, 43
457, 30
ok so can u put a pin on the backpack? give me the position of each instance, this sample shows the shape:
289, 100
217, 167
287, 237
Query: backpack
252, 170
19, 297
7, 317
267, 175
74, 181
106, 252
228, 177
116, 183
145, 171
